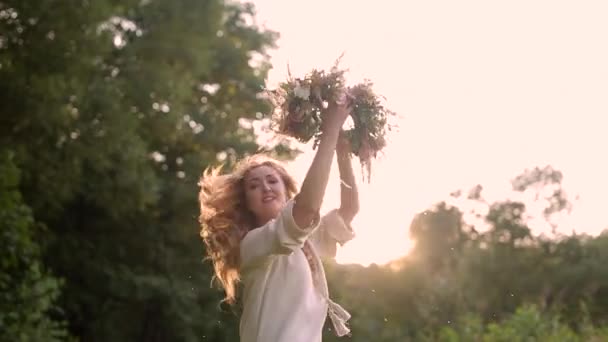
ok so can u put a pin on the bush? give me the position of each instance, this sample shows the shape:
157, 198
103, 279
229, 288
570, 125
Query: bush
27, 292
527, 324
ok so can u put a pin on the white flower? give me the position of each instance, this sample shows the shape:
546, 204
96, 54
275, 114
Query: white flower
302, 92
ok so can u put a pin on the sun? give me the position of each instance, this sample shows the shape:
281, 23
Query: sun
382, 223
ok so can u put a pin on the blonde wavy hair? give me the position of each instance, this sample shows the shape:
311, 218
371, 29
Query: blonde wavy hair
225, 218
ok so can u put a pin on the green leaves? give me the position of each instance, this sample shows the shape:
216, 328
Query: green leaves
526, 324
113, 109
492, 280
28, 293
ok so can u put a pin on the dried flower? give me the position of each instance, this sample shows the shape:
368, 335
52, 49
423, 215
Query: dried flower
301, 91
298, 104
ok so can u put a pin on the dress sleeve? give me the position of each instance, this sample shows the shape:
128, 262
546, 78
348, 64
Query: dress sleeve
281, 235
332, 230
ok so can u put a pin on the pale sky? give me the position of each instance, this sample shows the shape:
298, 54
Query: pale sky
485, 89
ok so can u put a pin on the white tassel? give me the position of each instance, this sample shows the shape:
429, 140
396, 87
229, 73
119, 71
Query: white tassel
338, 317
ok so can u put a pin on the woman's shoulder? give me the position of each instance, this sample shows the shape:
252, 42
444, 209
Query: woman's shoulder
269, 265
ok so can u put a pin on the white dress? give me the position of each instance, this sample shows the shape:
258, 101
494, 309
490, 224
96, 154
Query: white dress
281, 300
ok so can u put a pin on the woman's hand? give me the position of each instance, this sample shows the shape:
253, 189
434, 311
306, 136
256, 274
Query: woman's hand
334, 116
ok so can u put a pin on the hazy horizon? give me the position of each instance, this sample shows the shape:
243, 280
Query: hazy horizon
485, 90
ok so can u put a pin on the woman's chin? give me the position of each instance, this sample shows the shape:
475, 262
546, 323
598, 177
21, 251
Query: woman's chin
273, 205
274, 211
271, 209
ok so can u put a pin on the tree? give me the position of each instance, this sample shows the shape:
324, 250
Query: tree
113, 110
490, 279
439, 235
545, 183
28, 308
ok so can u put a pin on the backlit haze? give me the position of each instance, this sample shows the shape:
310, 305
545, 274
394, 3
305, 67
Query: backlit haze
484, 90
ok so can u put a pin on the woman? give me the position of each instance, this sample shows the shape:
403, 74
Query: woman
259, 230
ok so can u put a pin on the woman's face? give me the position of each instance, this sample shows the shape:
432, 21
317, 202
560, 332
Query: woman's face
265, 193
